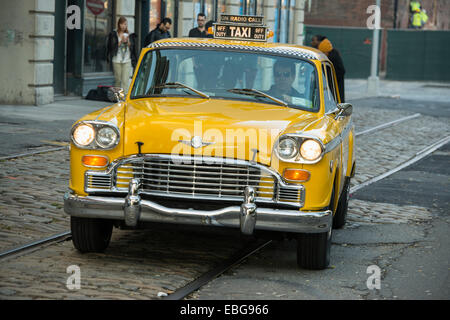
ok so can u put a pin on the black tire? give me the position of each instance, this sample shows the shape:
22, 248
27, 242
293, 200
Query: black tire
313, 249
90, 235
340, 217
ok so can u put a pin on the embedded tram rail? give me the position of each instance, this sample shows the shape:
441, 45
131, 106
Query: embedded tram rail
250, 248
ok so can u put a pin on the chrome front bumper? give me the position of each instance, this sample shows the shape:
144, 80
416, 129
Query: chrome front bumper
247, 217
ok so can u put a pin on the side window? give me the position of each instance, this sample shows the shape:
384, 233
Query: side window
330, 103
331, 82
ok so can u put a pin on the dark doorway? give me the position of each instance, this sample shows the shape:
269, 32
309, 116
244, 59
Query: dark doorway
59, 58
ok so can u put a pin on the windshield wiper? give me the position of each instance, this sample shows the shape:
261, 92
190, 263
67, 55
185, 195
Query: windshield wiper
257, 93
181, 85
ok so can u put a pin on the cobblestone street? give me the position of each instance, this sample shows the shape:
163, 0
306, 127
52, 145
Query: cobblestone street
141, 264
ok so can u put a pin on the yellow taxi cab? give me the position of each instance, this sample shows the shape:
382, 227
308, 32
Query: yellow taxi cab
230, 131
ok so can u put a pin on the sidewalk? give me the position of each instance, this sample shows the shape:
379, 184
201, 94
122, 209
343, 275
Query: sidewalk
31, 128
408, 90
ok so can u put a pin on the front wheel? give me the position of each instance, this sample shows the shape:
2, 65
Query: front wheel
90, 235
340, 217
313, 249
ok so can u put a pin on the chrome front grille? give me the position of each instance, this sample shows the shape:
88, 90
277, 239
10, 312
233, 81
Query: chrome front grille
289, 194
196, 179
98, 181
186, 177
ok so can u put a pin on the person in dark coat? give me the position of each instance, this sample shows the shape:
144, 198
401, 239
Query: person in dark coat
200, 31
324, 45
160, 32
208, 25
112, 46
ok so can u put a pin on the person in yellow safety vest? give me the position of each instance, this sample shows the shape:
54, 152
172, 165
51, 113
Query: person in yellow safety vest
419, 19
414, 6
423, 17
416, 21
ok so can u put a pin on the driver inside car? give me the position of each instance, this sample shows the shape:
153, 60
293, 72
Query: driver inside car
284, 76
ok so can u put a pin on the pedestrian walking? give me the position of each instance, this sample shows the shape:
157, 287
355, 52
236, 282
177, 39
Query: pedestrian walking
200, 31
121, 51
323, 44
160, 32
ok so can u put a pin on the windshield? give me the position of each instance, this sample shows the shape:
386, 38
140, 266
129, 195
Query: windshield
218, 74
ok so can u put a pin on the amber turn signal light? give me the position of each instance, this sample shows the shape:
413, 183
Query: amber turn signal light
95, 161
296, 175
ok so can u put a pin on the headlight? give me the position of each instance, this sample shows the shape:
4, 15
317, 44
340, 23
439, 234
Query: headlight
106, 137
93, 134
287, 148
310, 150
84, 134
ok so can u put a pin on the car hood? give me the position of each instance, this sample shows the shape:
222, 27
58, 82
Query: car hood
230, 128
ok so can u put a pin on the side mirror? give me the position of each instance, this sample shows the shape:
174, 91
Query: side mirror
116, 94
345, 109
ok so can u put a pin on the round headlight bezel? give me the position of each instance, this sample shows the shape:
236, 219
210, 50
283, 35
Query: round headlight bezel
80, 127
96, 125
295, 148
101, 144
300, 138
312, 143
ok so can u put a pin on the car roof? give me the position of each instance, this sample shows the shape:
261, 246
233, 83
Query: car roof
270, 47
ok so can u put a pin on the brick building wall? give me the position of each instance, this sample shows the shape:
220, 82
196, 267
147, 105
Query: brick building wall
349, 13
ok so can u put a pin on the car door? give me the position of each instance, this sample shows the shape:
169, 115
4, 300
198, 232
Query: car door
342, 124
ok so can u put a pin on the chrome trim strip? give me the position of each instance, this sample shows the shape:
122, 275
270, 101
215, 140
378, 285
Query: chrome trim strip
331, 145
267, 218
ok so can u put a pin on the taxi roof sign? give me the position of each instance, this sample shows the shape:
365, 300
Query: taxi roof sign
231, 18
237, 27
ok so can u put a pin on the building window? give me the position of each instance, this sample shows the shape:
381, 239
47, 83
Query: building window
221, 7
276, 36
284, 21
155, 13
170, 10
208, 7
160, 9
248, 7
259, 8
97, 25
283, 17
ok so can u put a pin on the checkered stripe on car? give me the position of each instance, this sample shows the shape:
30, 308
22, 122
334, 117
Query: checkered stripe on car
281, 50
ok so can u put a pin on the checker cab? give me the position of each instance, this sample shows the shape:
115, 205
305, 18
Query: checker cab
218, 132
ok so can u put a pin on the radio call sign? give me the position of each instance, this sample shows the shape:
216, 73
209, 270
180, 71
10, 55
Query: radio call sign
228, 31
254, 20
